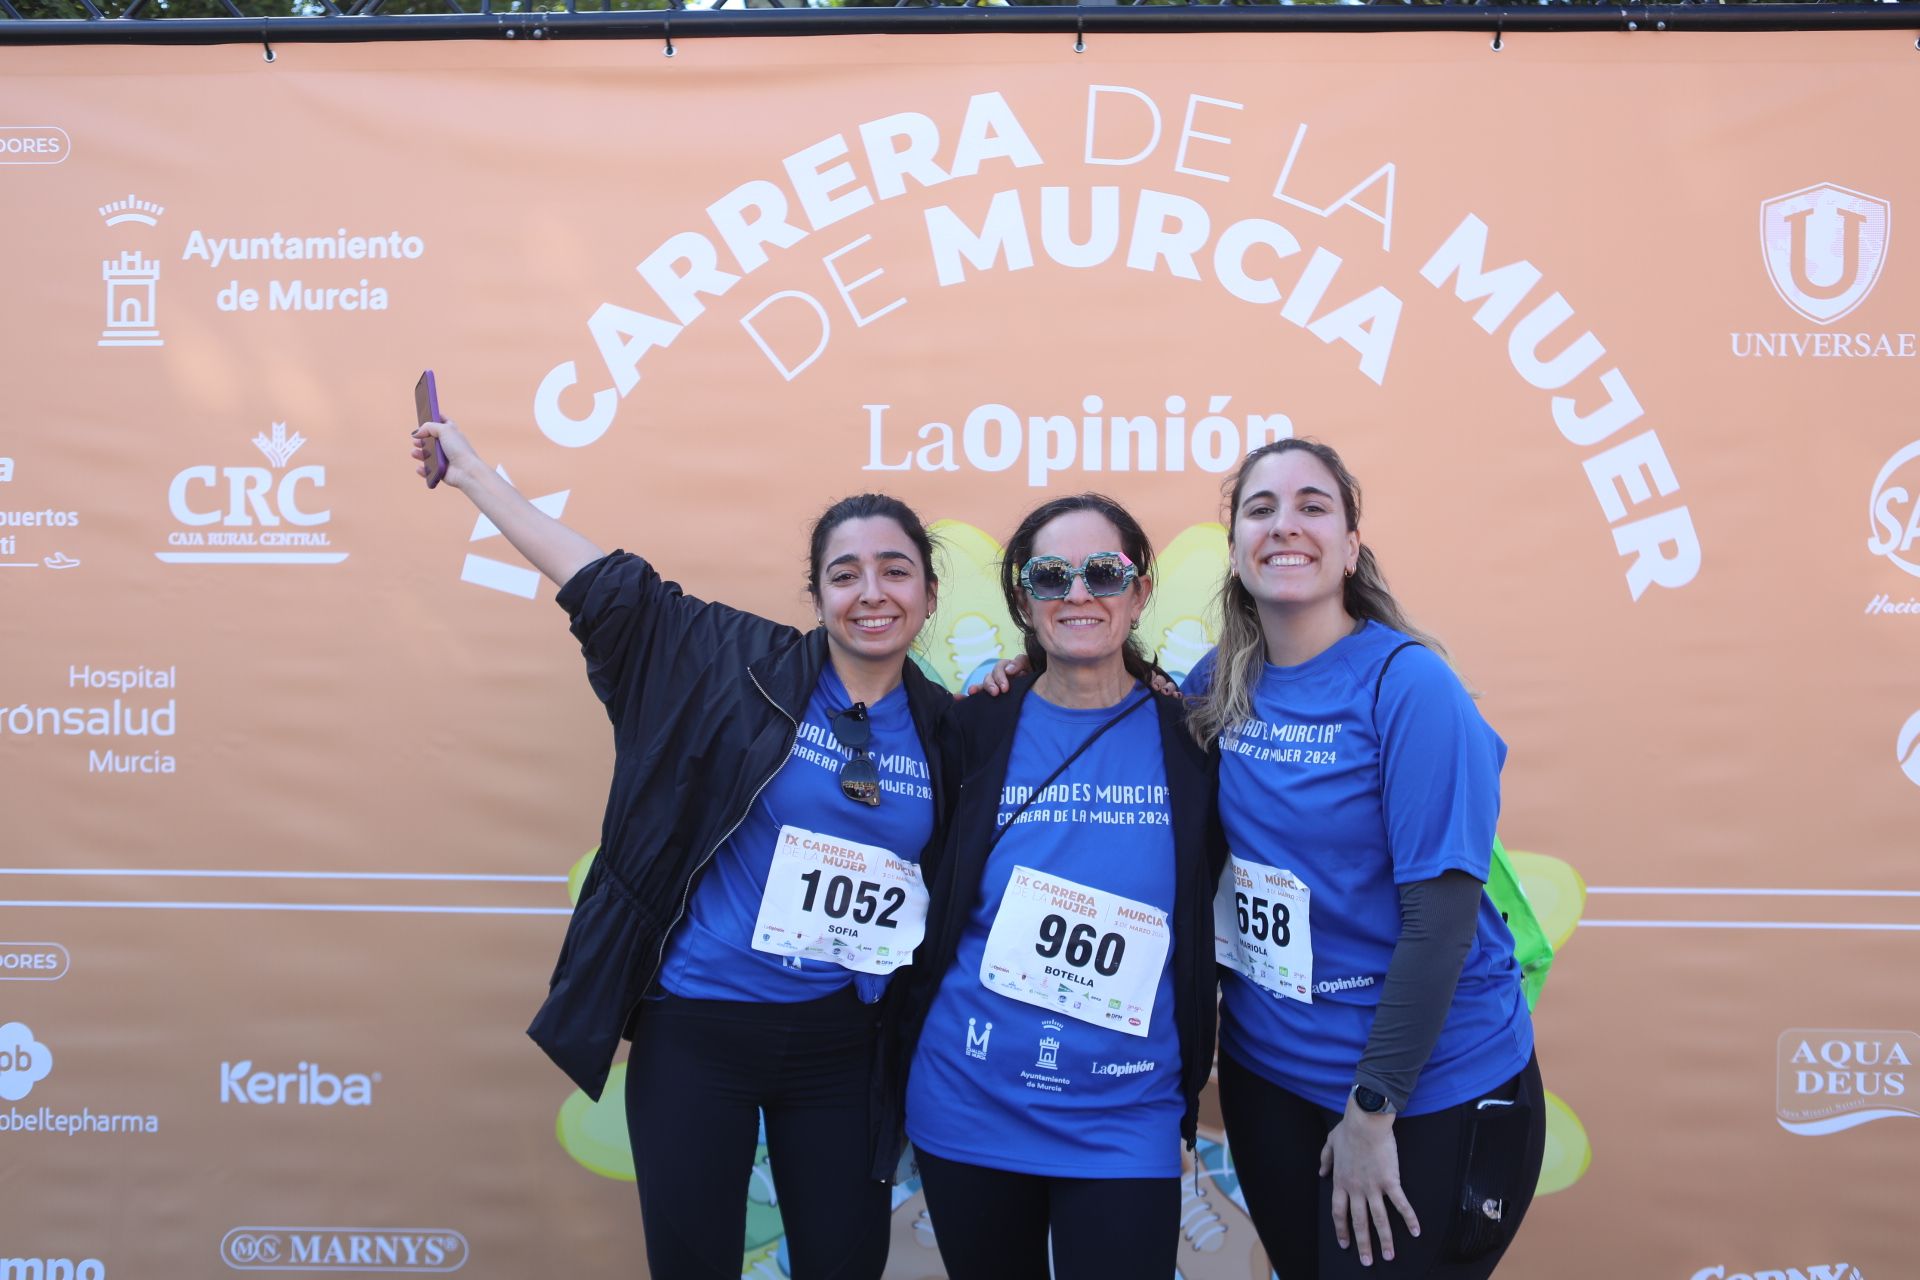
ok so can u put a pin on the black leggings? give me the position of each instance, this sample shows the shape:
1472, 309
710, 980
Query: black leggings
700, 1073
993, 1225
1275, 1137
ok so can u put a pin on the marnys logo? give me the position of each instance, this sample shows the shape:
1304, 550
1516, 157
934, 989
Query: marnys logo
52, 1269
305, 1086
1818, 1271
259, 501
24, 1061
1831, 1081
408, 1249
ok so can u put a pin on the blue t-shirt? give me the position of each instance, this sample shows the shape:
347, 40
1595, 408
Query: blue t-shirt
1004, 1084
1355, 801
711, 956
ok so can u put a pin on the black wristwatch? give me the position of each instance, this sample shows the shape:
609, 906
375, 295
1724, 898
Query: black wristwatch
1371, 1101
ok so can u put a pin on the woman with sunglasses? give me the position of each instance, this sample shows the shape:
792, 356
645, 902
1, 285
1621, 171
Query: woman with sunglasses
1064, 1001
1376, 1068
757, 880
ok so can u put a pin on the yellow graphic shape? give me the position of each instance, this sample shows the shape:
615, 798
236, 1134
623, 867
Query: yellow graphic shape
577, 874
971, 626
1182, 622
1555, 890
762, 1263
595, 1133
1568, 1151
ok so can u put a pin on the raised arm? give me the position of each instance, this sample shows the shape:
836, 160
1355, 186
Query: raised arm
549, 546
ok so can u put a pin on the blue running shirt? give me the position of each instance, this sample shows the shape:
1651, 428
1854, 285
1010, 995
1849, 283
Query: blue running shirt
711, 956
1006, 1084
1305, 788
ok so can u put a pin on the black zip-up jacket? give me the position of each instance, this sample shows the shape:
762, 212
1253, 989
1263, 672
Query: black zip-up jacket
705, 701
984, 729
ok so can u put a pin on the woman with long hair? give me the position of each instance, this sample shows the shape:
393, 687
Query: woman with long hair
757, 881
1064, 1003
1377, 1075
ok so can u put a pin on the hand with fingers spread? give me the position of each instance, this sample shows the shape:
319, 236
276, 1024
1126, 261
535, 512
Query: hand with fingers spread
1364, 1162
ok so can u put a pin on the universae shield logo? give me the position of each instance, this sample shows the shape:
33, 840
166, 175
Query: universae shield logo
1824, 247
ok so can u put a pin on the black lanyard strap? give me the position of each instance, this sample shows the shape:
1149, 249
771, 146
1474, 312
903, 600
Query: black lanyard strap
1040, 790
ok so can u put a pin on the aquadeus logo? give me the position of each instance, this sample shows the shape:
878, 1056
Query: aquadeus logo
305, 1086
52, 1269
1833, 1080
415, 1250
1824, 248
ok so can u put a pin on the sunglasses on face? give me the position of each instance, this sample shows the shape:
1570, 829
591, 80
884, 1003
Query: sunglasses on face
1106, 573
860, 775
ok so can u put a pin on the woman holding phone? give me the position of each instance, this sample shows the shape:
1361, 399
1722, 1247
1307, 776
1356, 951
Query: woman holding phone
758, 874
1064, 1004
1377, 1075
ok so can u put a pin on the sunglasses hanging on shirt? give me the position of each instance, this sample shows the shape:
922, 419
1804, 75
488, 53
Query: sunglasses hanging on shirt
860, 775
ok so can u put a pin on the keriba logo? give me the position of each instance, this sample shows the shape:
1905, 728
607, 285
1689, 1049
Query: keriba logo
1824, 248
305, 1086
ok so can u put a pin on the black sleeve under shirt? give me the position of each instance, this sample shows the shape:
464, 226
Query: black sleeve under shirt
1438, 918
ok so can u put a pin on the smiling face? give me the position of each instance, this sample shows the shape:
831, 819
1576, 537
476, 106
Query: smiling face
872, 594
1292, 546
1084, 629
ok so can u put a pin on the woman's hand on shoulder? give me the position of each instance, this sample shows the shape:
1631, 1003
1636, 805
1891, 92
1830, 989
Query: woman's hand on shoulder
1364, 1160
1001, 677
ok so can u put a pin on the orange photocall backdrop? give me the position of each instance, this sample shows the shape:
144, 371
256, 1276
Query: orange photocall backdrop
297, 761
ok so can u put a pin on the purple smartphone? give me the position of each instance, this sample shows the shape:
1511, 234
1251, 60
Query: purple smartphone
426, 404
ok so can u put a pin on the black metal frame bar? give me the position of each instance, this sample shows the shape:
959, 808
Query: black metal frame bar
363, 22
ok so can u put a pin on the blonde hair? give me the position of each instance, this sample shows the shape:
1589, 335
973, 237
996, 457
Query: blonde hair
1241, 652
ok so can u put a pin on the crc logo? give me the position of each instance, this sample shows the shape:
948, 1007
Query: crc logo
24, 1062
1894, 510
254, 495
256, 515
1830, 1081
33, 961
305, 1086
1818, 1271
419, 1250
1824, 247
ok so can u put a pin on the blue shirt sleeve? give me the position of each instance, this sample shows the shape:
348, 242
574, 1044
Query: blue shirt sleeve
1439, 770
1200, 679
